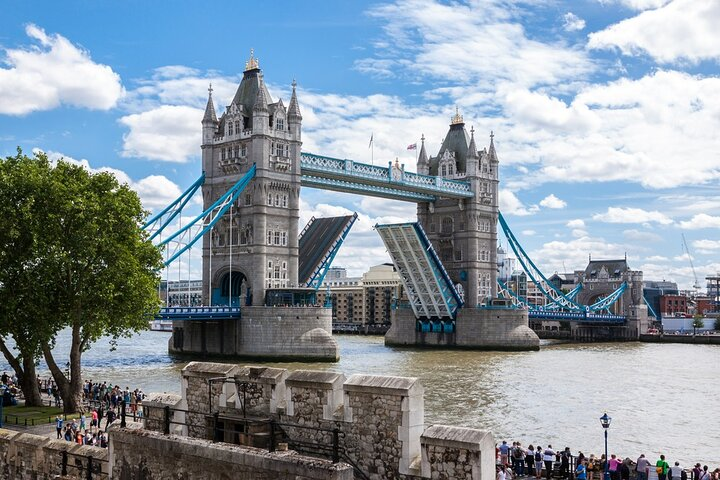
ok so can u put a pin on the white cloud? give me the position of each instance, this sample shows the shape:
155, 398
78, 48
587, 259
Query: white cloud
579, 233
641, 236
656, 258
167, 133
55, 72
576, 223
632, 215
572, 23
528, 233
679, 30
155, 191
574, 253
638, 5
417, 42
706, 246
701, 220
551, 201
510, 204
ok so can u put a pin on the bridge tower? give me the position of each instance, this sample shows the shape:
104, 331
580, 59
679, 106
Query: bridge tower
464, 232
255, 247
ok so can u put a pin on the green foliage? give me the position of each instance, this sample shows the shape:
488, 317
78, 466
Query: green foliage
717, 324
698, 321
72, 254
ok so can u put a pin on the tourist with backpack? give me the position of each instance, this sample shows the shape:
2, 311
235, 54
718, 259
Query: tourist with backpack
661, 468
538, 462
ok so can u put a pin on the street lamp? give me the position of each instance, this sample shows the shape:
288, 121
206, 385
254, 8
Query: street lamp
605, 422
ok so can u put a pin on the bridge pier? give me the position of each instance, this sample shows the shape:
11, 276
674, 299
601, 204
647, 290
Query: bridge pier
489, 328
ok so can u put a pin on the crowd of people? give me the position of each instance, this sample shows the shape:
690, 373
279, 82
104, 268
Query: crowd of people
105, 402
537, 461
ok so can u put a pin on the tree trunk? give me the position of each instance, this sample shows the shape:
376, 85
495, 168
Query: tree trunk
70, 391
29, 384
25, 372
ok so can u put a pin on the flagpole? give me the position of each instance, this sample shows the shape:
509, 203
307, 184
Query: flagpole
372, 149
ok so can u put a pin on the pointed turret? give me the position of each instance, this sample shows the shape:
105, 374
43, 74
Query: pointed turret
472, 149
423, 165
491, 151
210, 116
261, 100
294, 108
472, 162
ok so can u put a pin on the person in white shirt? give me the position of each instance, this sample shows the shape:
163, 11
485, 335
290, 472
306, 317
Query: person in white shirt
548, 458
675, 472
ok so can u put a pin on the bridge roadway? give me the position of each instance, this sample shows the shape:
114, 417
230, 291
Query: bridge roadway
391, 182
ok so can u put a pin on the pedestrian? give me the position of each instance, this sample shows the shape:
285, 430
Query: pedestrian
530, 460
614, 467
675, 472
704, 475
504, 449
641, 467
662, 467
581, 470
696, 471
538, 462
59, 425
501, 473
518, 460
625, 469
548, 458
592, 467
565, 463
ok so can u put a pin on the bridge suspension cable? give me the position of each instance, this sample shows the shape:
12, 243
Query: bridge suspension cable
162, 219
206, 220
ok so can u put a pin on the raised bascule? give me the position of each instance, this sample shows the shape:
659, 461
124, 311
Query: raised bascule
261, 273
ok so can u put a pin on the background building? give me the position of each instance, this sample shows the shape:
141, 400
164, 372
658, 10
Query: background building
365, 300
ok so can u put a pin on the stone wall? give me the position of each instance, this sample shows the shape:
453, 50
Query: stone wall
24, 456
380, 420
475, 328
140, 454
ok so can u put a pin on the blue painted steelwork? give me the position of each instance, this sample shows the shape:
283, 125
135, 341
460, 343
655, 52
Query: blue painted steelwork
652, 310
318, 275
533, 272
605, 303
223, 203
449, 291
389, 182
578, 317
174, 209
520, 301
198, 313
374, 190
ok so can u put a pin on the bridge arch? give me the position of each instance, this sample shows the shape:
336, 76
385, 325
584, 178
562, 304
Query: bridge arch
232, 287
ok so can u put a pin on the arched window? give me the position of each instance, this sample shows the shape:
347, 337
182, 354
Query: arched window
269, 237
280, 124
285, 201
230, 128
450, 169
277, 199
270, 198
243, 150
443, 170
222, 154
447, 225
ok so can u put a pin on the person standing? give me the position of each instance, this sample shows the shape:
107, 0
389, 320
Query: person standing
548, 458
59, 425
538, 462
696, 472
625, 469
504, 449
704, 475
642, 467
519, 460
662, 467
591, 467
581, 470
675, 472
565, 463
613, 467
530, 460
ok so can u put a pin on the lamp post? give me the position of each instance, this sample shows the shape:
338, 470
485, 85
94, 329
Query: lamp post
605, 422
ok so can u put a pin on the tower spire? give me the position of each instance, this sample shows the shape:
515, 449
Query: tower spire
261, 100
210, 108
423, 165
472, 149
491, 151
294, 107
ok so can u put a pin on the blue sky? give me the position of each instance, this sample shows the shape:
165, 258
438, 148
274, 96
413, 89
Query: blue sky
606, 113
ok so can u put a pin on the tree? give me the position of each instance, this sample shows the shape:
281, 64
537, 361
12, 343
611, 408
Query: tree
82, 263
717, 324
698, 322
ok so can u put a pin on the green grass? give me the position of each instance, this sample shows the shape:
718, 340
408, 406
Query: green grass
19, 414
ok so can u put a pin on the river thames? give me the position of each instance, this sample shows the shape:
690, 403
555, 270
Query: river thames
663, 398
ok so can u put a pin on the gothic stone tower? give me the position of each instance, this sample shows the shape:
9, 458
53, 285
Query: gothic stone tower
255, 247
464, 232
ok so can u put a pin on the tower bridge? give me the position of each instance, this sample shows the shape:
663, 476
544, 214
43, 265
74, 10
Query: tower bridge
260, 273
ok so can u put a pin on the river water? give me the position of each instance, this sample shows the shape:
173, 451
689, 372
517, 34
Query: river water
663, 398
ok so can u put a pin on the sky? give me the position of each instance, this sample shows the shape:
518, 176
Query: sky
606, 113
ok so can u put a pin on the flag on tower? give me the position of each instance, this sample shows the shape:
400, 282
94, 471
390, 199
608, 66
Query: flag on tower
412, 146
371, 140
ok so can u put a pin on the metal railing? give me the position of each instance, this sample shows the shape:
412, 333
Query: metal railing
86, 467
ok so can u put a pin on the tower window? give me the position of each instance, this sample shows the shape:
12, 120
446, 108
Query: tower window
230, 128
270, 200
269, 237
237, 126
285, 201
443, 170
243, 150
280, 124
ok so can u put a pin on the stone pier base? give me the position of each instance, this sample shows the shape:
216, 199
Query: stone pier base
480, 329
264, 333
